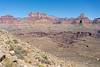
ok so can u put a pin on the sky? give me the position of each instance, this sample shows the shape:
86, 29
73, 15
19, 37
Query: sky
59, 8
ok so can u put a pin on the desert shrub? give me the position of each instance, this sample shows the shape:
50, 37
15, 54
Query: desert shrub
9, 42
7, 62
12, 41
30, 62
45, 56
20, 53
15, 41
41, 65
12, 47
43, 59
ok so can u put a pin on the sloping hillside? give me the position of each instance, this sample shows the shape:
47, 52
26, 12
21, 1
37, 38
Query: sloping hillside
14, 53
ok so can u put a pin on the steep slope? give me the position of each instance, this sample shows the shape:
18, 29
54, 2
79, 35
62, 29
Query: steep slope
14, 53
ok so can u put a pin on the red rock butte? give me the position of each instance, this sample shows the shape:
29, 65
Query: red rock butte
43, 18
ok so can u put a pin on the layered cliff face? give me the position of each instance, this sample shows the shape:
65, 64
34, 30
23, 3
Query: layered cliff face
96, 21
15, 53
81, 18
8, 19
40, 18
34, 18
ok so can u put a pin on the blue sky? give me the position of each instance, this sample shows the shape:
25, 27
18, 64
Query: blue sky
60, 8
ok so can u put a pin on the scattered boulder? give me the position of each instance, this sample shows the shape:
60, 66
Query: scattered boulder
12, 53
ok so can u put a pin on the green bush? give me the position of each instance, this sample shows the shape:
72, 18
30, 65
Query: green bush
7, 62
20, 53
41, 65
15, 41
45, 56
9, 42
43, 59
